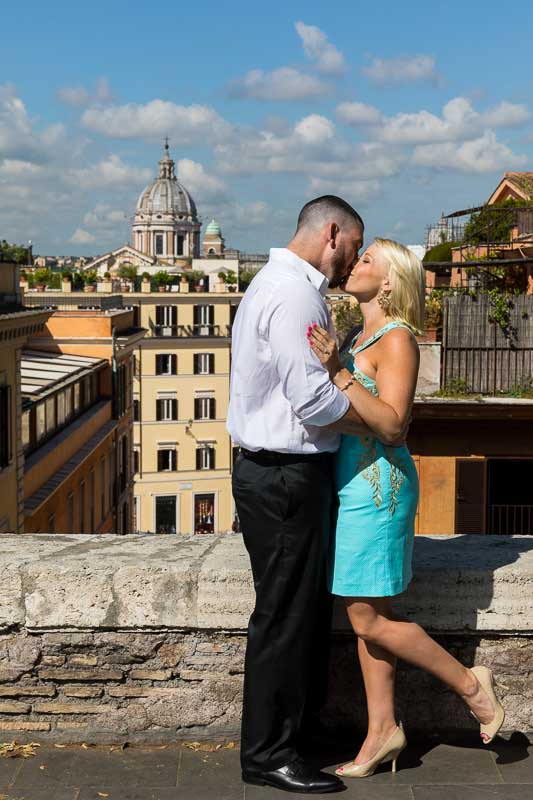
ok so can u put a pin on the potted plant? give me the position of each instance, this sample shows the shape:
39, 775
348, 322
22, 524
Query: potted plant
198, 279
41, 279
89, 278
163, 279
231, 280
433, 315
66, 281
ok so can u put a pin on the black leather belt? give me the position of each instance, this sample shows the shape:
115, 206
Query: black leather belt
268, 457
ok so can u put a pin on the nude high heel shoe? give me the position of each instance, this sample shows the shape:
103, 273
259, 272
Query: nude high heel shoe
486, 680
388, 752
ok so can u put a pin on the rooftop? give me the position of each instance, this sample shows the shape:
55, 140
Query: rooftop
42, 372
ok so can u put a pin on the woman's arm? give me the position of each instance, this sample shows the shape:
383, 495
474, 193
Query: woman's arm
387, 415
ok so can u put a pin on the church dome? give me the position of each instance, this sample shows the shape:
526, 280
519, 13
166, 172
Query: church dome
166, 195
214, 228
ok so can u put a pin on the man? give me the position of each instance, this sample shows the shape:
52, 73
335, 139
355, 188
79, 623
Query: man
287, 415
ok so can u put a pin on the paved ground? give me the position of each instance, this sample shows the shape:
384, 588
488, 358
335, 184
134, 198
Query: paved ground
442, 770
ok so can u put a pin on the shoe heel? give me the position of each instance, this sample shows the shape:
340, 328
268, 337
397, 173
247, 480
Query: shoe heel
395, 759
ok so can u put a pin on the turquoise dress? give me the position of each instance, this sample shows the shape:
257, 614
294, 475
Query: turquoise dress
378, 496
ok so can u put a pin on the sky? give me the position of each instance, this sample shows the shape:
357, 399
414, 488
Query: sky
406, 110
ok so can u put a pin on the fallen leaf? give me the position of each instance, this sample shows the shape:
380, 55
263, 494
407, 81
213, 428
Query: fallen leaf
15, 750
102, 794
60, 745
42, 766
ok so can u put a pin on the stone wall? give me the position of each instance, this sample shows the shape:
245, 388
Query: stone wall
142, 638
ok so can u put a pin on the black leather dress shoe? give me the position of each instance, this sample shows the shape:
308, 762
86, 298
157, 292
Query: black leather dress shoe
298, 776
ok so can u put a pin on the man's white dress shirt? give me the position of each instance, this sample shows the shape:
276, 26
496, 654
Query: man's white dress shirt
281, 397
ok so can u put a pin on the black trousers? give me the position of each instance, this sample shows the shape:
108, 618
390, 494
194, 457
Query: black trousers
284, 504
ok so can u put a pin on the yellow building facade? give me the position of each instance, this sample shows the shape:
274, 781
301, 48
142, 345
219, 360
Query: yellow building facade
183, 452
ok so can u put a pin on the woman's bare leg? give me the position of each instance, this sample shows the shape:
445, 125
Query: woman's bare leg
378, 667
373, 621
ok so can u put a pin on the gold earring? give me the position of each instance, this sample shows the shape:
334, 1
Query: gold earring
383, 299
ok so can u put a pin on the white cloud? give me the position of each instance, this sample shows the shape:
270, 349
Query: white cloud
354, 191
315, 130
79, 97
82, 237
156, 119
402, 70
198, 182
325, 55
284, 83
111, 172
358, 114
459, 121
18, 140
484, 154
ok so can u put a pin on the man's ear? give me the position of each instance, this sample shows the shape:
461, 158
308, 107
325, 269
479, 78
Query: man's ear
333, 232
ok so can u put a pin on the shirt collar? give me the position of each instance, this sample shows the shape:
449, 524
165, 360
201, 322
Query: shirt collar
319, 281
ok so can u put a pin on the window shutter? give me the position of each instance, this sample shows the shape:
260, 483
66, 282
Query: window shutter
211, 458
211, 314
174, 315
196, 364
212, 408
173, 460
173, 363
160, 463
174, 409
199, 458
197, 408
196, 315
211, 363
158, 364
159, 410
159, 315
470, 496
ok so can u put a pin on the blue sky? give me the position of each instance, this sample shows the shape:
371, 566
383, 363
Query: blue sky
406, 110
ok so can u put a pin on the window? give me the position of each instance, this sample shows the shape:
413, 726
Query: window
166, 364
135, 461
204, 408
180, 245
205, 457
165, 514
167, 459
92, 526
61, 409
204, 319
204, 513
70, 512
166, 320
5, 426
40, 421
136, 410
102, 490
82, 507
204, 363
50, 414
159, 240
121, 391
26, 429
166, 409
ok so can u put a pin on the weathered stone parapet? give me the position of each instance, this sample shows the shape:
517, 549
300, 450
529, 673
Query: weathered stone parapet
106, 638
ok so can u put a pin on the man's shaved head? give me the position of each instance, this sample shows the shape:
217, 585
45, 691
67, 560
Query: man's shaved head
329, 208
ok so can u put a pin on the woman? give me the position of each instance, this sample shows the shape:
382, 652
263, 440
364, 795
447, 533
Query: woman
378, 493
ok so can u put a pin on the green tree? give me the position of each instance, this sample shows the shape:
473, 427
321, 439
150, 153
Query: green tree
493, 223
128, 272
13, 252
441, 252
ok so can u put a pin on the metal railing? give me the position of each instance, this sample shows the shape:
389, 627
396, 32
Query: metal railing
187, 331
516, 520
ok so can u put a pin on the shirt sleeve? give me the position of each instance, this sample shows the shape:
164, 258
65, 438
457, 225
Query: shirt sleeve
305, 382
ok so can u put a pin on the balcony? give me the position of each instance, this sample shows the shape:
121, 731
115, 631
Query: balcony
190, 331
66, 301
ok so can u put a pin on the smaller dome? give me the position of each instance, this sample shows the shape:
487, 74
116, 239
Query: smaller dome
214, 228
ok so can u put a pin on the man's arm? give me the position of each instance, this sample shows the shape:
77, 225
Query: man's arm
351, 424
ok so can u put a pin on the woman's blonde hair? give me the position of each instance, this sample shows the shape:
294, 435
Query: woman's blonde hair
407, 299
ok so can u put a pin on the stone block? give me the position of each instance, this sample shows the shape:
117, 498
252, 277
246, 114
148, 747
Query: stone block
151, 674
83, 691
81, 675
24, 726
129, 691
82, 661
171, 654
69, 708
53, 661
21, 690
11, 673
14, 707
